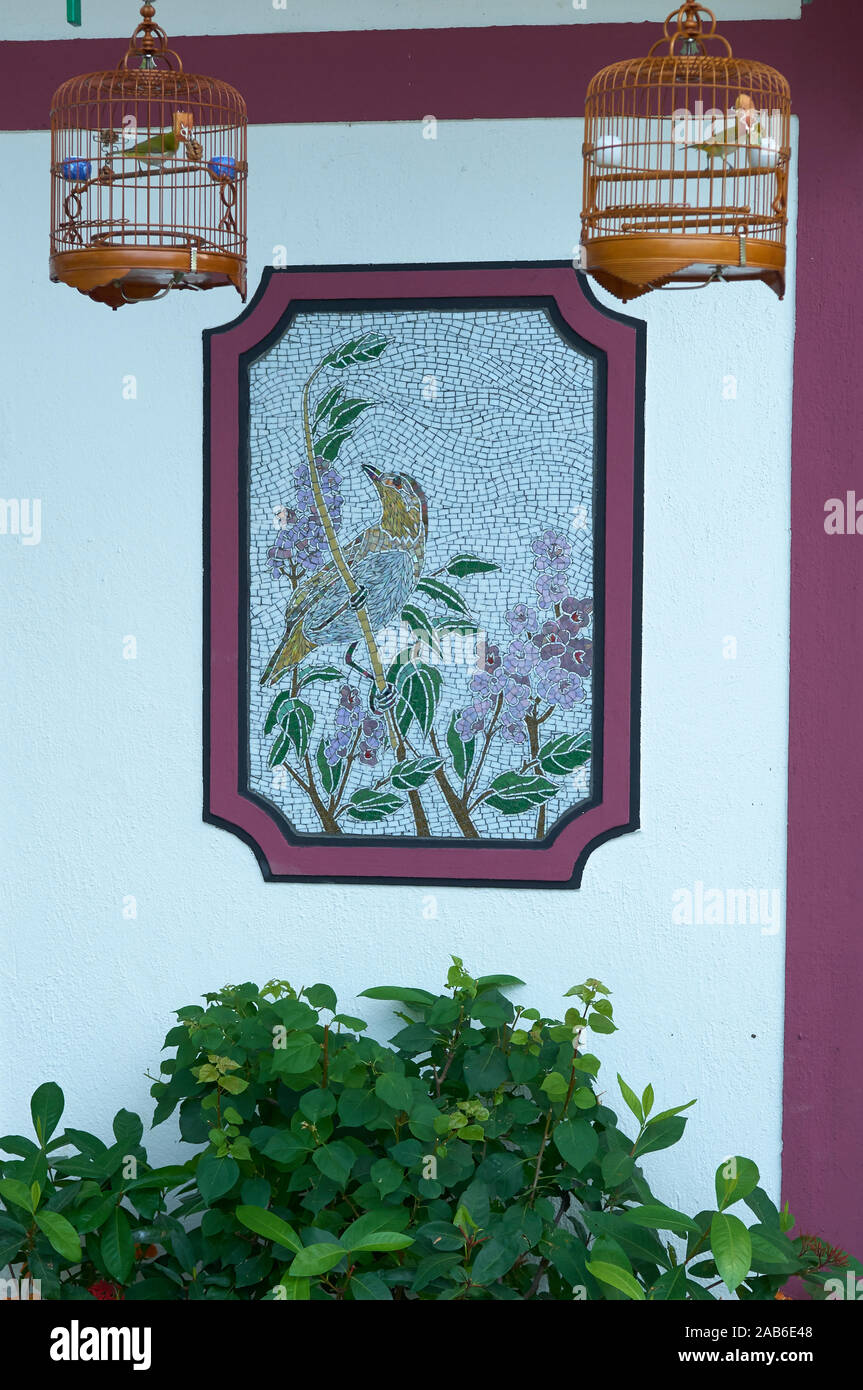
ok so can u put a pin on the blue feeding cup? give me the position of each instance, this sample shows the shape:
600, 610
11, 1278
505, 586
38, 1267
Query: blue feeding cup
223, 166
76, 170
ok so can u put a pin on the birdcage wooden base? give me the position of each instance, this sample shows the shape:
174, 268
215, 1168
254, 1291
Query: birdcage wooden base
117, 275
630, 265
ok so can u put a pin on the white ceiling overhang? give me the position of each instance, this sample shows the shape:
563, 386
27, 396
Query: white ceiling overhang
46, 19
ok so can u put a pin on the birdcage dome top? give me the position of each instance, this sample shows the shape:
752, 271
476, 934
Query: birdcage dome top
686, 155
148, 166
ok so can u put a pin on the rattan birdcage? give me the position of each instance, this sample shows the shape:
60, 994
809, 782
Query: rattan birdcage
148, 177
686, 156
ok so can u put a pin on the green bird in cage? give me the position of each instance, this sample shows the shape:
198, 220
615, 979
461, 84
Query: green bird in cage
166, 144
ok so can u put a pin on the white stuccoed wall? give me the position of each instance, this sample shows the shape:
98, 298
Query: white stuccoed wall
101, 787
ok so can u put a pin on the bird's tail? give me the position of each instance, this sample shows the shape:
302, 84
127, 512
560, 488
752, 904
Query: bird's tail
288, 654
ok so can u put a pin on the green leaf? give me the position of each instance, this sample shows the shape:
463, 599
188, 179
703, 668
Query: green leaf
117, 1246
319, 673
485, 1068
326, 403
370, 805
563, 755
11, 1190
394, 1090
647, 1099
384, 1240
400, 993
618, 1278
215, 1176
617, 1166
555, 1086
732, 1249
496, 1257
271, 1227
365, 349
670, 1286
345, 414
297, 1055
61, 1234
576, 1142
460, 566
463, 753
434, 1267
329, 444
631, 1099
737, 1184
379, 1219
419, 687
444, 594
368, 1287
280, 751
407, 776
516, 792
322, 997
335, 1161
661, 1134
299, 727
279, 711
657, 1217
128, 1129
762, 1207
497, 982
419, 622
46, 1108
330, 775
315, 1259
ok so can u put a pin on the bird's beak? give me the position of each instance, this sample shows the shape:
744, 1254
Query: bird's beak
372, 473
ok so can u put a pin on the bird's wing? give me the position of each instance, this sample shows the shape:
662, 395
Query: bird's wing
388, 578
312, 590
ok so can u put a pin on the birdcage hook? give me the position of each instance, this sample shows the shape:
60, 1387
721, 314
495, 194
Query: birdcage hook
690, 31
150, 41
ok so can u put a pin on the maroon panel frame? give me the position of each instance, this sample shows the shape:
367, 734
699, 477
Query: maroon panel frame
559, 860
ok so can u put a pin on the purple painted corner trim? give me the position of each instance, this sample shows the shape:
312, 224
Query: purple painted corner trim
227, 802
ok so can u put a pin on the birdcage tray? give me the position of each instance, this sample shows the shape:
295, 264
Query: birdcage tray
630, 264
138, 273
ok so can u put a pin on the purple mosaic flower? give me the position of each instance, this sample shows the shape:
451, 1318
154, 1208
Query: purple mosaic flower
516, 698
553, 551
578, 610
372, 734
513, 731
488, 659
551, 589
521, 619
521, 657
578, 657
469, 723
337, 747
560, 687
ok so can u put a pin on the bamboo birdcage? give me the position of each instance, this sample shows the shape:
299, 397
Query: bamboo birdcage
148, 177
686, 156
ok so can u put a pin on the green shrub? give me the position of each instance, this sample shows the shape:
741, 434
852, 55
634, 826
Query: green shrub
471, 1158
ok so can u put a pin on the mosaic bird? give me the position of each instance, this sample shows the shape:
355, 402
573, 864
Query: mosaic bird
742, 128
385, 560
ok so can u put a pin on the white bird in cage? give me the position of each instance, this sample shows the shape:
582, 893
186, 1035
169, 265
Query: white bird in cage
740, 130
